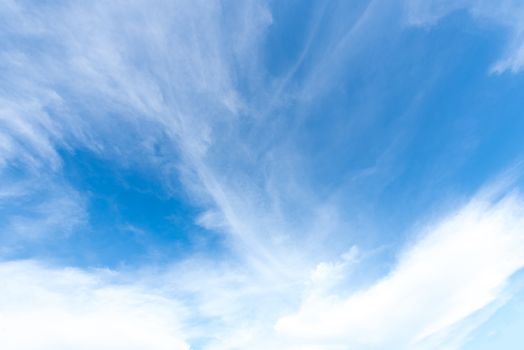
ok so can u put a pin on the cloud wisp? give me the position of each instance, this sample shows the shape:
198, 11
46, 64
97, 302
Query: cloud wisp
177, 89
508, 14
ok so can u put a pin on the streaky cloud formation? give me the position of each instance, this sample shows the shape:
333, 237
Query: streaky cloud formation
219, 175
456, 268
509, 14
440, 287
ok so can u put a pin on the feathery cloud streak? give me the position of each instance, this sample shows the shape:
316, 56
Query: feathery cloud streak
273, 153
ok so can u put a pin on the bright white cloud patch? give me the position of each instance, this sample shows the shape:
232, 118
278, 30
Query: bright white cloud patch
440, 289
459, 267
45, 308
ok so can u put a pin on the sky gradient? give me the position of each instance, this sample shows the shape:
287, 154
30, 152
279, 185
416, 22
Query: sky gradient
287, 175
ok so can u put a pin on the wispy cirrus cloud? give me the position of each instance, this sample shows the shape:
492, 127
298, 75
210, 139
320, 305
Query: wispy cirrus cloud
507, 14
163, 76
178, 88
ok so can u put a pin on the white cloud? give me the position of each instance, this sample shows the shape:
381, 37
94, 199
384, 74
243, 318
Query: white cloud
199, 303
34, 209
442, 288
166, 74
157, 86
45, 308
163, 76
459, 266
506, 13
132, 79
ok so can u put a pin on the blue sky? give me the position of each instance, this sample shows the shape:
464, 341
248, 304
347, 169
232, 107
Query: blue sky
220, 175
